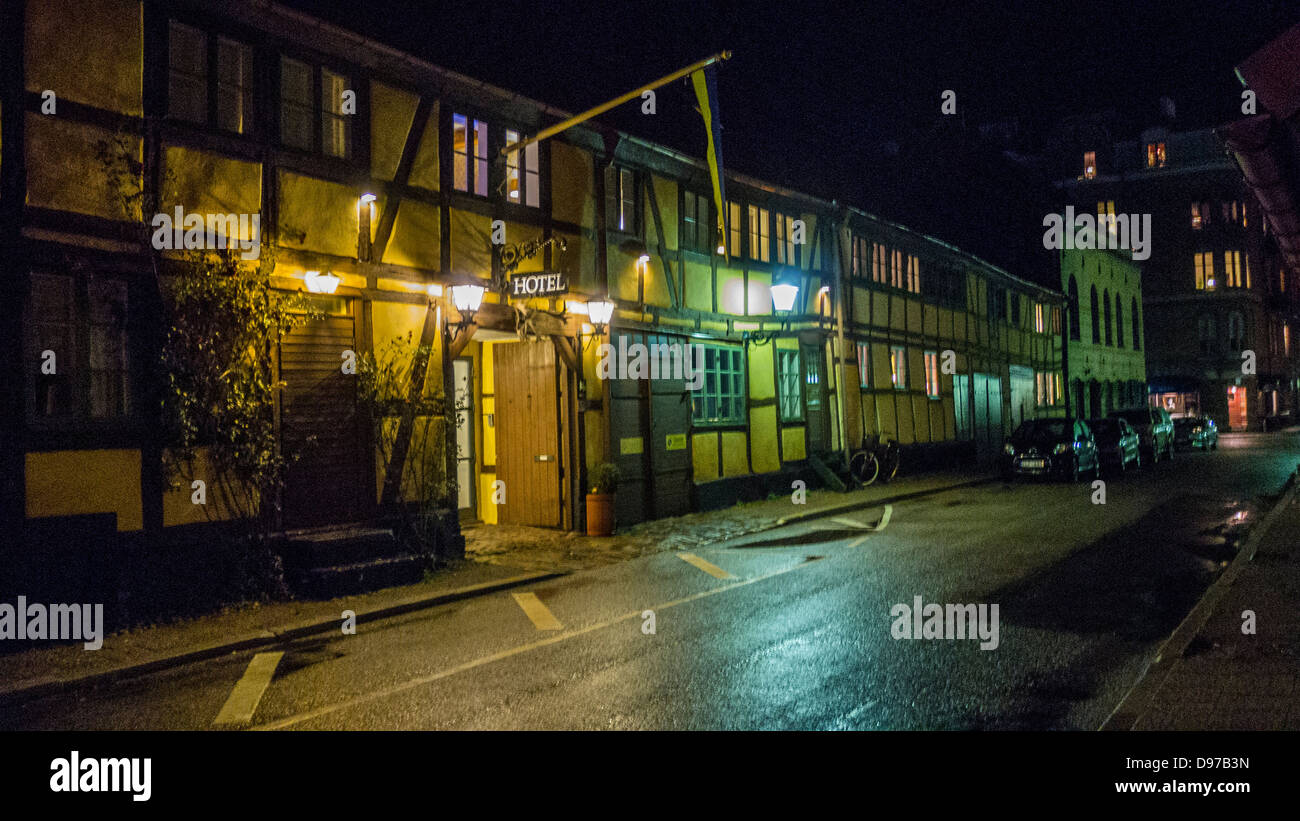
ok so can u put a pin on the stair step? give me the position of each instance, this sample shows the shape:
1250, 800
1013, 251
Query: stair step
358, 577
339, 546
830, 477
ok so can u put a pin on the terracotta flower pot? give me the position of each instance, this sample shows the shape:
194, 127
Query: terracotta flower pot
600, 514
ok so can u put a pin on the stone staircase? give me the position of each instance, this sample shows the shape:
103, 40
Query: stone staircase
324, 563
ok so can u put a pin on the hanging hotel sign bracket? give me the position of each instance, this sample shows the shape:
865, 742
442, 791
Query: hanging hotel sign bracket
514, 285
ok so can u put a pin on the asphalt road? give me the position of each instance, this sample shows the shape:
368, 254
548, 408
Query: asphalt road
795, 634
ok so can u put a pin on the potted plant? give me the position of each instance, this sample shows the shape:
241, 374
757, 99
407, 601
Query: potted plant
600, 501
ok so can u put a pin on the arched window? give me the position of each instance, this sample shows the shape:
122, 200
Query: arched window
1119, 322
1074, 308
1096, 318
1105, 298
1137, 325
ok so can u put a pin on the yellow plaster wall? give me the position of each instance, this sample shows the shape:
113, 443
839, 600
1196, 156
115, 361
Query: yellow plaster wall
70, 482
87, 52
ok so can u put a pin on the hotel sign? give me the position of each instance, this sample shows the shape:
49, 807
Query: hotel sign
526, 285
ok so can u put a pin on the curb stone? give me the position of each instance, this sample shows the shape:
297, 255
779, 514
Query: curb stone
265, 638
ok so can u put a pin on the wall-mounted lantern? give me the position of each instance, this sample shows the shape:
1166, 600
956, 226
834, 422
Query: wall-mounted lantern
318, 283
600, 312
783, 297
467, 298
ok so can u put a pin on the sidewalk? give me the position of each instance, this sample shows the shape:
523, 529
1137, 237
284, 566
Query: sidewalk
535, 548
1224, 679
498, 557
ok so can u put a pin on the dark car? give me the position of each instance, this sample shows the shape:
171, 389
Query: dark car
1196, 432
1117, 443
1154, 428
1050, 447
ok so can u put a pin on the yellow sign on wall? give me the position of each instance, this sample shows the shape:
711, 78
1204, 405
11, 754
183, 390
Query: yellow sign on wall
630, 446
675, 441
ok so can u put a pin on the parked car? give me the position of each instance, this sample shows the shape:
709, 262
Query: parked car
1050, 447
1154, 428
1196, 432
1118, 444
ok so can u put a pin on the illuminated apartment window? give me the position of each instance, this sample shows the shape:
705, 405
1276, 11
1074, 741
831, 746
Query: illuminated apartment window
1232, 269
896, 268
785, 254
621, 200
1286, 339
864, 364
913, 283
1040, 324
898, 367
1155, 155
1198, 220
1246, 257
1089, 164
1204, 263
522, 183
760, 244
336, 127
789, 385
932, 374
861, 257
469, 150
733, 216
878, 263
697, 231
1106, 216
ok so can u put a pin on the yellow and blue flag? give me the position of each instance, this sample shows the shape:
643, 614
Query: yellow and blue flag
705, 82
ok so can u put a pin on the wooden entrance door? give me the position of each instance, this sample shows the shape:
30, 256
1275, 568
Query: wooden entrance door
319, 422
815, 400
528, 433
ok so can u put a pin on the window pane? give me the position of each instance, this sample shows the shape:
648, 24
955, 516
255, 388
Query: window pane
234, 86
108, 348
532, 178
51, 328
512, 167
460, 147
480, 158
335, 125
187, 85
296, 111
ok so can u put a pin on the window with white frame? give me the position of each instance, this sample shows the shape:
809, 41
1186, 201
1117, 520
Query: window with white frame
760, 245
789, 385
522, 181
785, 247
864, 364
721, 399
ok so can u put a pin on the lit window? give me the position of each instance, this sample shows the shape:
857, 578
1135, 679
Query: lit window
913, 283
1246, 257
1040, 324
785, 253
864, 365
1204, 270
1198, 220
898, 367
522, 183
1089, 164
336, 126
733, 215
234, 86
697, 231
1232, 268
932, 374
861, 257
469, 147
621, 200
760, 246
1106, 216
1155, 155
1286, 339
878, 264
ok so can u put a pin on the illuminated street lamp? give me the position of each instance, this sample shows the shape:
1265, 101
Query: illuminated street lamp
783, 297
467, 298
318, 283
600, 312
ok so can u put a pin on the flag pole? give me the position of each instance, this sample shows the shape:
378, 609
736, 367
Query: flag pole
551, 131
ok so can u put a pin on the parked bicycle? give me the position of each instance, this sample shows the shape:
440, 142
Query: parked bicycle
878, 458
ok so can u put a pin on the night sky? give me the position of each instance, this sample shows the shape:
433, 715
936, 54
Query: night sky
841, 99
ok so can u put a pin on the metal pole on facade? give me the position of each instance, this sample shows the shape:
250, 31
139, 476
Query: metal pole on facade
551, 131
